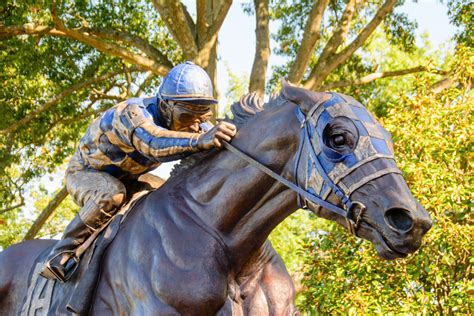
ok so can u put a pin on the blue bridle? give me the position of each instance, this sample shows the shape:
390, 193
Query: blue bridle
348, 212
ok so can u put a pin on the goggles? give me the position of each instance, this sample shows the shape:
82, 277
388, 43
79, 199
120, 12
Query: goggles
188, 113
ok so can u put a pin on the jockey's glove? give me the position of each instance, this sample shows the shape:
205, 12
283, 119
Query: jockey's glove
212, 138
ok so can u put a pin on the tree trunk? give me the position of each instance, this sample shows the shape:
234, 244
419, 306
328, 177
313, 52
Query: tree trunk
212, 71
262, 48
312, 33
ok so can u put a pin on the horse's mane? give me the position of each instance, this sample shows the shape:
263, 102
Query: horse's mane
248, 106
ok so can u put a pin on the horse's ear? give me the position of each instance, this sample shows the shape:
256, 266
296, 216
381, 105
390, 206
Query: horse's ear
306, 99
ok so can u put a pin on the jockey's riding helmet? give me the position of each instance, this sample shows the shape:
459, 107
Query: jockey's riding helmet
189, 83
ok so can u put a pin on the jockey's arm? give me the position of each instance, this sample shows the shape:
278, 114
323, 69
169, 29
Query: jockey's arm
153, 141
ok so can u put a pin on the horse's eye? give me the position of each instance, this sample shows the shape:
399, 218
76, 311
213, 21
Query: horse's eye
338, 140
340, 135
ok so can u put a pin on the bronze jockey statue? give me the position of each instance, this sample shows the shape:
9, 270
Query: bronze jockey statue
128, 140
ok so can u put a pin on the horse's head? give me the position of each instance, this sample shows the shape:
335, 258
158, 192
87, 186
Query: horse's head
346, 157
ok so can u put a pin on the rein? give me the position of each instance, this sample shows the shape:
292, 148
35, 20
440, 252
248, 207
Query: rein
353, 225
352, 211
306, 194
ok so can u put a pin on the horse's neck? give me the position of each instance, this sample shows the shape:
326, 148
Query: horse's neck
240, 202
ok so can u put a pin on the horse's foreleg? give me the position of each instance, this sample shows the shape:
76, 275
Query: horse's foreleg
269, 289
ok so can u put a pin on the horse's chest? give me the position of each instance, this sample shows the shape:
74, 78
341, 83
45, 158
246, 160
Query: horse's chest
184, 272
200, 286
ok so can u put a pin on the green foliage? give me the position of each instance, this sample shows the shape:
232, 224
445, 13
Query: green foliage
14, 225
12, 229
400, 31
379, 95
461, 13
433, 143
238, 86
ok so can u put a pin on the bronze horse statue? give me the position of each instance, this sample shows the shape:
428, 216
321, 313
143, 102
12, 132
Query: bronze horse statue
198, 245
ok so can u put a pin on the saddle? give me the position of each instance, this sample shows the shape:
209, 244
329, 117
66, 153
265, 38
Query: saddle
50, 297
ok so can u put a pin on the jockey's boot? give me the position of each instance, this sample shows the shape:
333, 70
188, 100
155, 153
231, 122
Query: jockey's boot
62, 261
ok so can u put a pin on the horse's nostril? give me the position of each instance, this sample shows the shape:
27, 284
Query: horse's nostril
399, 219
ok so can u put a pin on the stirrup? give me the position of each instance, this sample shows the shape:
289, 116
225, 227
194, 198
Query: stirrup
69, 267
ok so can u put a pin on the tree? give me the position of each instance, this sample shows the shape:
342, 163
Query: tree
460, 13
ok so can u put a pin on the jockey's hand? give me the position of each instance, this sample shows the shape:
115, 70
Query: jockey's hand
212, 138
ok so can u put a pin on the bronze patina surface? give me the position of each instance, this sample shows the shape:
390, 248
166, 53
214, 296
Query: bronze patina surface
198, 245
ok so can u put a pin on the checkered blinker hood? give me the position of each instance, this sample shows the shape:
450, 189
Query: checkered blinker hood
328, 170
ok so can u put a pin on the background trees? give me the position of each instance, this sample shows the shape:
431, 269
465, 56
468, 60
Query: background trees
64, 62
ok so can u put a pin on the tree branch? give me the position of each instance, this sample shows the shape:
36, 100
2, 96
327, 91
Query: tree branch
372, 77
11, 208
133, 40
145, 83
88, 111
28, 28
46, 213
217, 21
107, 47
445, 83
128, 92
340, 34
120, 36
384, 10
262, 49
100, 96
322, 70
176, 18
312, 33
159, 65
18, 189
211, 15
338, 37
201, 21
55, 100
116, 50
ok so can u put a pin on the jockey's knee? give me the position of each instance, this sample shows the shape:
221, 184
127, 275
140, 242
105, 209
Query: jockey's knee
113, 198
110, 202
106, 191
